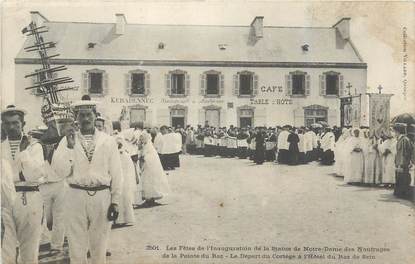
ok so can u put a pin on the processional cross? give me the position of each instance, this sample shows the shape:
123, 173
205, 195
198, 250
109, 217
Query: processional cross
349, 86
380, 89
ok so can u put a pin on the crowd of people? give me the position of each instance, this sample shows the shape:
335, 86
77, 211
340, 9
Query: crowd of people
96, 173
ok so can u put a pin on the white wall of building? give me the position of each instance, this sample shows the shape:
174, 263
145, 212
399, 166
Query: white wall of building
268, 113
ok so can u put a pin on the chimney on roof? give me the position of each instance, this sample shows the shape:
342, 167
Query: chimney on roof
38, 18
257, 26
343, 27
120, 24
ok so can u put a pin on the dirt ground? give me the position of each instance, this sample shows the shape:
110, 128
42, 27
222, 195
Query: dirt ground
293, 211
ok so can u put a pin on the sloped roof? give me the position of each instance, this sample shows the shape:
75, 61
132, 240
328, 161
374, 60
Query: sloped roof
194, 43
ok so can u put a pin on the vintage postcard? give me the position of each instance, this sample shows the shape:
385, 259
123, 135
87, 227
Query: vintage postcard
152, 132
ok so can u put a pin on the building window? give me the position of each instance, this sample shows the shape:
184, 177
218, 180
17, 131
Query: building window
178, 83
137, 83
298, 83
95, 79
95, 82
211, 84
331, 83
246, 84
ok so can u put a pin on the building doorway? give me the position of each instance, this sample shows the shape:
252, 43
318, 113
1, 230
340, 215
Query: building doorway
245, 116
314, 114
178, 116
137, 114
245, 121
212, 117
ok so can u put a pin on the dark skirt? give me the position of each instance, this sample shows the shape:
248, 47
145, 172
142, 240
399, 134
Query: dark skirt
231, 152
302, 158
402, 185
293, 157
163, 161
283, 156
270, 155
327, 157
259, 156
242, 152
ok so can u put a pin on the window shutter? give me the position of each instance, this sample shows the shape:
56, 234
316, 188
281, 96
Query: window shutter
288, 85
236, 84
341, 86
168, 85
307, 84
187, 87
255, 88
147, 84
85, 83
105, 83
128, 77
202, 84
221, 84
322, 84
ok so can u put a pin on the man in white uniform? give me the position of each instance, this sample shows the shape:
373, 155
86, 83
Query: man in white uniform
91, 162
23, 222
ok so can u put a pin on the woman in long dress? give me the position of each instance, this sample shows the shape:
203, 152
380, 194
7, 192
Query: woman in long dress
293, 151
387, 150
155, 184
354, 167
372, 160
339, 153
126, 213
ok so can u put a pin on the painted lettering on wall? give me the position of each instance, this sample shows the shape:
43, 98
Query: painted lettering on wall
132, 100
271, 89
277, 101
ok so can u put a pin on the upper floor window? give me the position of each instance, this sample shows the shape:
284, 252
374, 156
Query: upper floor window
246, 84
298, 83
211, 83
177, 83
331, 83
95, 82
138, 83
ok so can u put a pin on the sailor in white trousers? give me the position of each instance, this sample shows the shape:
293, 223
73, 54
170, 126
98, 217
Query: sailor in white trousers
91, 161
23, 221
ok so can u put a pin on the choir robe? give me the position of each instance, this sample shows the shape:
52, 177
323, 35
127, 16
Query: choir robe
387, 150
242, 146
293, 152
301, 149
283, 146
354, 161
308, 145
372, 162
169, 150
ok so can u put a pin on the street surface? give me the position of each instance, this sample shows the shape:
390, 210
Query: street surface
221, 202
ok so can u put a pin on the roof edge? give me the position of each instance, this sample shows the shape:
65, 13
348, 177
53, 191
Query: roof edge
258, 64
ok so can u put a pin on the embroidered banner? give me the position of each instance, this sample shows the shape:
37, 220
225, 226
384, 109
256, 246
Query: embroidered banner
379, 113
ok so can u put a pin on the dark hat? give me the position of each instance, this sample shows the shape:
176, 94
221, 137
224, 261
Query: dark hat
12, 109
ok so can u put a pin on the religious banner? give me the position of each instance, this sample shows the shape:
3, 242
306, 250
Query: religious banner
350, 111
379, 113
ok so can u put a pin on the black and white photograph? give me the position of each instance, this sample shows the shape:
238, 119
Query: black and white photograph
207, 131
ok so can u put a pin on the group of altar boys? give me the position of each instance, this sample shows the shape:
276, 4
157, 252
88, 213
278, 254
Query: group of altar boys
361, 158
